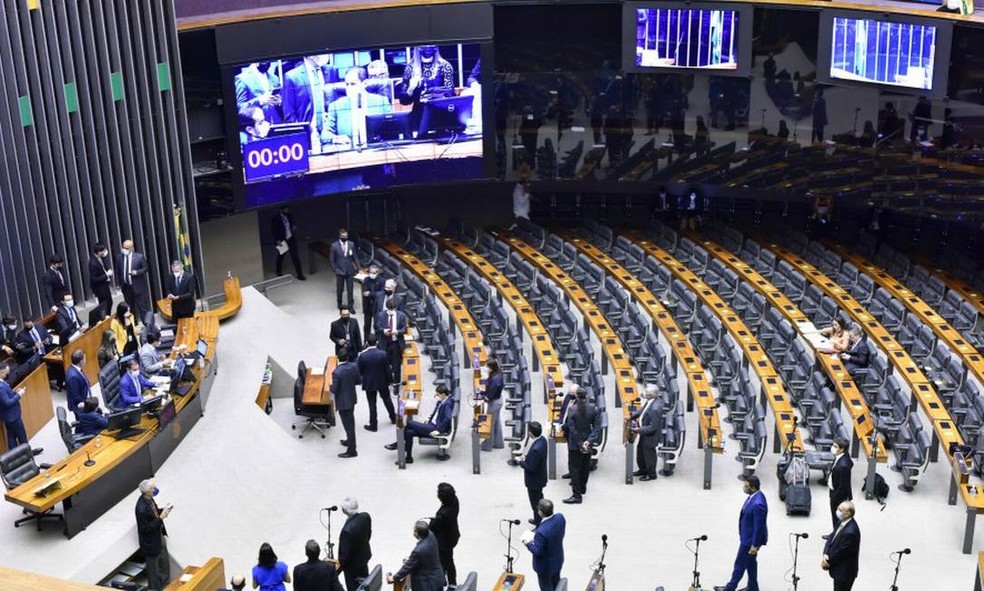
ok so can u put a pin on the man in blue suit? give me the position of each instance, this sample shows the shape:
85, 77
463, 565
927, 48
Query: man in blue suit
254, 89
345, 262
91, 420
439, 423
547, 546
132, 386
535, 469
10, 410
343, 382
76, 383
858, 355
391, 325
374, 369
753, 533
68, 319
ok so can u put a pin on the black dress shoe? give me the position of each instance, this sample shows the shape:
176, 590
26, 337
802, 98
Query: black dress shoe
647, 477
825, 537
639, 473
301, 278
348, 454
566, 476
573, 500
372, 428
720, 588
344, 442
409, 460
391, 447
532, 522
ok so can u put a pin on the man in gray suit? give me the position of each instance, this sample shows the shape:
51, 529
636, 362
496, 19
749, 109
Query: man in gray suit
424, 563
647, 424
343, 382
345, 262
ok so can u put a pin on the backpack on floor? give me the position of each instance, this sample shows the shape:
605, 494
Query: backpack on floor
881, 488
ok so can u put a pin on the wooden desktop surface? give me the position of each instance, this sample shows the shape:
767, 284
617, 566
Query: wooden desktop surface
105, 450
697, 383
89, 342
844, 384
207, 577
395, 155
317, 387
19, 580
36, 405
517, 582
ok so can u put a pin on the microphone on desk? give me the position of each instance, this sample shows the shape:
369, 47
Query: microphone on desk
906, 551
512, 521
332, 508
604, 540
803, 535
698, 539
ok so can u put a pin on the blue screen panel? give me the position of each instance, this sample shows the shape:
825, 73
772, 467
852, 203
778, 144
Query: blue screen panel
687, 38
897, 54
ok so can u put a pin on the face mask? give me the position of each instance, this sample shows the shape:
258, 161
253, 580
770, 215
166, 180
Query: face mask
343, 238
11, 327
840, 516
28, 328
345, 317
69, 303
156, 490
373, 274
389, 292
135, 373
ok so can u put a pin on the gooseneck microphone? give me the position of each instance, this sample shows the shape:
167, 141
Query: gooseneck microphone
803, 535
512, 521
906, 551
698, 539
332, 508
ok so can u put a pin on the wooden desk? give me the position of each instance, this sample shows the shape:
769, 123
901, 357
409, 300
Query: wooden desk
317, 386
87, 492
515, 579
922, 390
966, 290
36, 405
89, 342
755, 357
208, 577
844, 384
973, 360
19, 580
412, 380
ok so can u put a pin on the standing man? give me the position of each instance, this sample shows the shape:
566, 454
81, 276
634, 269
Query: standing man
753, 533
547, 546
582, 428
67, 319
315, 574
370, 285
387, 293
76, 384
391, 325
535, 469
343, 382
153, 536
374, 371
647, 423
180, 287
840, 478
354, 551
345, 333
424, 562
101, 278
345, 262
492, 396
53, 283
131, 274
840, 553
285, 234
10, 409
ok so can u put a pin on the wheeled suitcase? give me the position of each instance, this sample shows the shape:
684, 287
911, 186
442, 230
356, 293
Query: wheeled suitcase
799, 499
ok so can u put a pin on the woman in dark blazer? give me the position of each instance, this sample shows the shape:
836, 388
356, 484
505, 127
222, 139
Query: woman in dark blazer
445, 528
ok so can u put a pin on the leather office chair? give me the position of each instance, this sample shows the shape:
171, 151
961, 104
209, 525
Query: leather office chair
109, 384
313, 418
443, 440
72, 441
17, 466
301, 372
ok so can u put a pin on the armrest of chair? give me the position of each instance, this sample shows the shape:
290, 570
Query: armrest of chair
44, 466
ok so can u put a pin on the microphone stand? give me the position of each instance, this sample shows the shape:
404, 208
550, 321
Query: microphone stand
509, 556
695, 584
796, 553
330, 544
601, 561
895, 579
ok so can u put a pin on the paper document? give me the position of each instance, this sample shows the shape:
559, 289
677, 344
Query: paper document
282, 247
317, 371
360, 276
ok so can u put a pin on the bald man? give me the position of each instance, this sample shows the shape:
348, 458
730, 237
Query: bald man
840, 553
647, 424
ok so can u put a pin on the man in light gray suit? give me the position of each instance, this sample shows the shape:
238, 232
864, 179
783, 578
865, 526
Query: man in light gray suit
647, 423
345, 262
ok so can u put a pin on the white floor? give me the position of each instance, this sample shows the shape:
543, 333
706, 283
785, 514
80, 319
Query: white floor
240, 479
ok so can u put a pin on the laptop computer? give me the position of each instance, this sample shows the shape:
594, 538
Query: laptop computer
200, 349
176, 374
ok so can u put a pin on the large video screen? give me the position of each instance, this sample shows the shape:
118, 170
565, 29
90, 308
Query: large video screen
687, 38
359, 119
883, 52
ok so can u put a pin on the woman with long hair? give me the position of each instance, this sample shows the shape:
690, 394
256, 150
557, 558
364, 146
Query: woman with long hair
427, 76
107, 348
269, 574
125, 329
445, 528
839, 339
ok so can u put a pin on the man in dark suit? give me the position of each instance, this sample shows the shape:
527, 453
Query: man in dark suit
152, 536
33, 339
345, 333
8, 335
101, 278
535, 469
54, 284
285, 234
354, 551
67, 319
343, 382
76, 384
345, 262
840, 553
315, 574
254, 89
438, 423
424, 562
647, 423
374, 370
10, 409
547, 546
840, 477
858, 355
370, 285
131, 275
387, 293
582, 428
303, 96
91, 420
391, 325
180, 288
753, 533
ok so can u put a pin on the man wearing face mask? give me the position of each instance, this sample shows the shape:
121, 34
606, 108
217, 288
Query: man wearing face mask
8, 335
152, 535
391, 325
253, 124
370, 285
345, 333
582, 428
67, 319
753, 533
54, 283
285, 234
840, 553
839, 482
347, 116
131, 275
180, 288
132, 386
101, 278
345, 262
343, 382
10, 409
33, 339
76, 384
387, 293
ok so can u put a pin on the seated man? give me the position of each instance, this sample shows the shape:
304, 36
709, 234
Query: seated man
8, 334
151, 360
68, 319
33, 339
132, 386
439, 423
858, 354
347, 116
91, 420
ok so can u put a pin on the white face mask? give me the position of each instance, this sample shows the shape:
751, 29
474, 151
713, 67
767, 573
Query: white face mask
135, 373
840, 516
69, 303
11, 327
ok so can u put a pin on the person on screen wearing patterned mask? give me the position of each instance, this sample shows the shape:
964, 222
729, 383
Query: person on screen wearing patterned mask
346, 125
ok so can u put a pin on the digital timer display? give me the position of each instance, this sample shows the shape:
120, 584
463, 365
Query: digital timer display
275, 157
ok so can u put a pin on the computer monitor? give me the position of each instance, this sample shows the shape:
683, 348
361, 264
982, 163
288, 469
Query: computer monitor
445, 116
388, 127
177, 372
202, 347
125, 418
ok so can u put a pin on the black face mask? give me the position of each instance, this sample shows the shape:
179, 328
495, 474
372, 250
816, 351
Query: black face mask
389, 292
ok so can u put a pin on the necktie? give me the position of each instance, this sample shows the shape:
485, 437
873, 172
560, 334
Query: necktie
37, 339
75, 319
177, 282
136, 383
318, 91
393, 325
434, 414
127, 269
287, 233
60, 278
